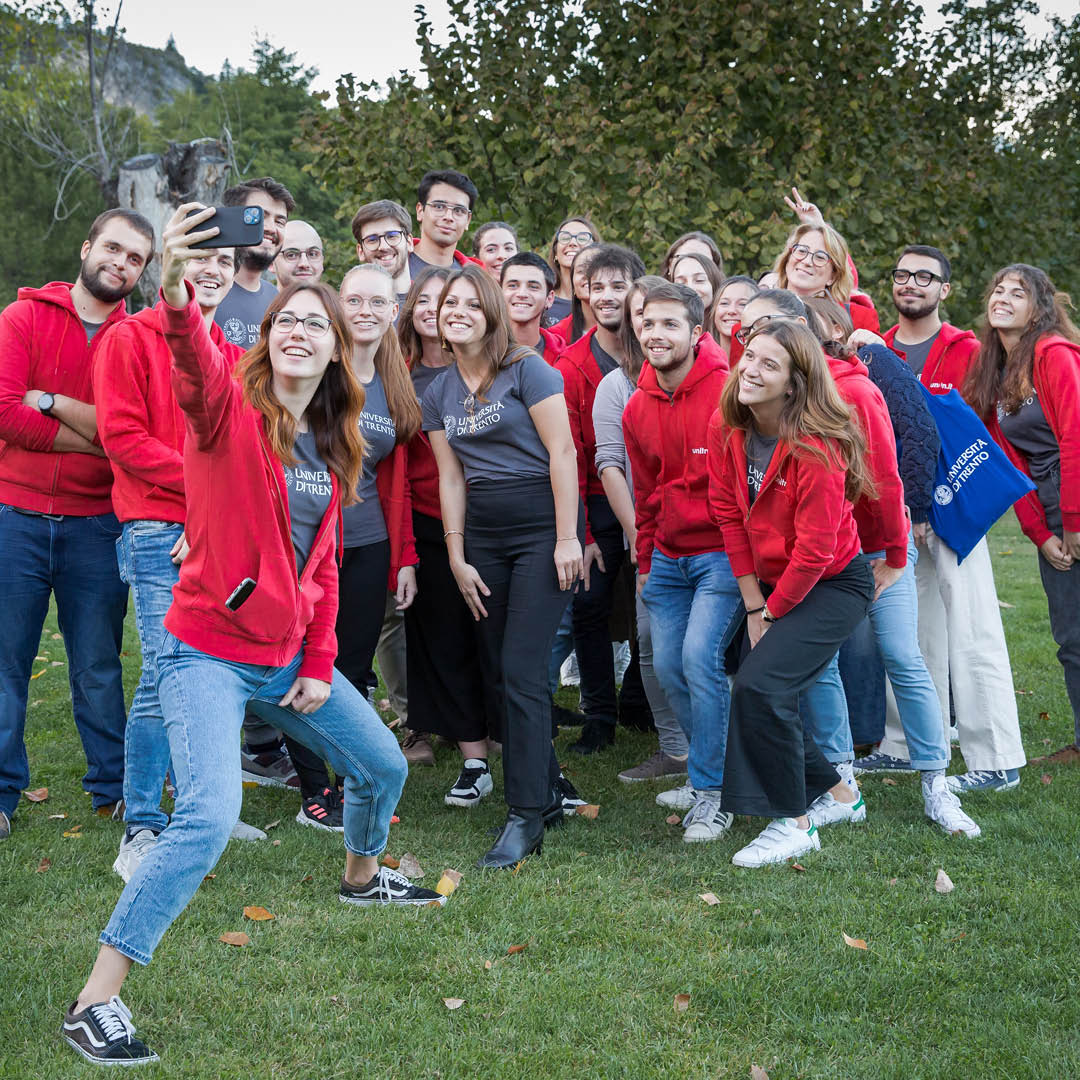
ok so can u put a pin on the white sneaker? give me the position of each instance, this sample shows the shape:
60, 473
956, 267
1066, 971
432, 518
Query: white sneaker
828, 810
133, 851
242, 831
943, 808
471, 786
779, 841
680, 798
706, 821
568, 673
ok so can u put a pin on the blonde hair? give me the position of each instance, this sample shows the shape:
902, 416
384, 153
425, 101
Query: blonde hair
835, 246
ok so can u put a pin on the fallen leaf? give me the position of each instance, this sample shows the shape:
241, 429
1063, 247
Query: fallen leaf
1009, 552
756, 911
517, 867
959, 937
1046, 742
334, 998
273, 825
36, 658
389, 860
1002, 604
1044, 716
710, 898
54, 817
433, 903
453, 1003
56, 663
449, 881
1046, 778
209, 877
38, 674
591, 811
44, 865
515, 949
888, 781
894, 881
305, 880
276, 843
487, 965
682, 1002
37, 795
396, 722
57, 637
410, 866
758, 1073
257, 914
75, 830
384, 703
799, 867
673, 819
235, 937
854, 942
35, 703
943, 883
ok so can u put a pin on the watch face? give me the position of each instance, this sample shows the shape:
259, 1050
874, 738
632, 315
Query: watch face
45, 402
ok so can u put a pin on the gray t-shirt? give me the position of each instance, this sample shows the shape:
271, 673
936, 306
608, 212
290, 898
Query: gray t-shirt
494, 439
558, 311
363, 521
1030, 432
91, 329
608, 406
241, 313
309, 489
759, 452
916, 354
423, 376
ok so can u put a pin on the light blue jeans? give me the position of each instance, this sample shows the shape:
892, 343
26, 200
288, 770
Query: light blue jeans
147, 567
894, 619
203, 699
695, 609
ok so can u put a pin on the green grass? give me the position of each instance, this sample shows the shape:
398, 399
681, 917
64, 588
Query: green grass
979, 983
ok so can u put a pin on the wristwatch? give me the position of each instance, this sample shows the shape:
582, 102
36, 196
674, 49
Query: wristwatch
767, 615
45, 403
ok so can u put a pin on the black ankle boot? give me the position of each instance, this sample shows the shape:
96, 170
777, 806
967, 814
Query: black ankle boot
522, 835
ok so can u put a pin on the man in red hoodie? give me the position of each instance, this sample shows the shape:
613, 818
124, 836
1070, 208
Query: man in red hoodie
57, 528
142, 430
684, 575
960, 631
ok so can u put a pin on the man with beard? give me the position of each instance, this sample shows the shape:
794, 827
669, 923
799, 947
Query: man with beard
960, 632
300, 260
383, 232
57, 528
241, 312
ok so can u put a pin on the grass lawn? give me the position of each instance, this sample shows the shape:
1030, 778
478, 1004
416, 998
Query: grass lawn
983, 982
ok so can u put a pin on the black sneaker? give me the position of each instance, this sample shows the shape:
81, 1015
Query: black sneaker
571, 800
322, 811
104, 1034
595, 735
388, 887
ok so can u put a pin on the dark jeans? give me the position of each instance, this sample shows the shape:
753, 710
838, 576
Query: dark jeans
510, 540
774, 768
73, 558
592, 612
863, 676
361, 603
1063, 599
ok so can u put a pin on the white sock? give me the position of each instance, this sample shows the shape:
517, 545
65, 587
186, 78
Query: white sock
847, 773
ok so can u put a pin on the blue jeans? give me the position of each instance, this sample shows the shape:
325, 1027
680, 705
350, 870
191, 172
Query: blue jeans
73, 558
146, 565
203, 699
695, 610
824, 712
562, 647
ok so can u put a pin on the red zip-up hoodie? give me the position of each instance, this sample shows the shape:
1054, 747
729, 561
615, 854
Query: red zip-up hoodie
553, 345
950, 359
1055, 375
395, 498
43, 347
708, 346
666, 443
863, 314
140, 422
238, 523
800, 528
882, 521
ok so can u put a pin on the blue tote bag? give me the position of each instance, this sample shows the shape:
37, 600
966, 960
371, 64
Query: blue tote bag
974, 482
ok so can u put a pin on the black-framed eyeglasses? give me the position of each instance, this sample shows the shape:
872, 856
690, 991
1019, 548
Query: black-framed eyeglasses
391, 236
922, 277
456, 209
818, 258
745, 333
575, 237
312, 254
315, 325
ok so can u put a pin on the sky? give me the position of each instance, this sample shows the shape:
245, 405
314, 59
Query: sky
373, 39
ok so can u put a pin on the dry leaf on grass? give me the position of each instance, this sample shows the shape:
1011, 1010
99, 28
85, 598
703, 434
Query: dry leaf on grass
453, 1003
590, 811
75, 830
487, 965
515, 949
235, 937
888, 781
57, 637
410, 866
209, 877
257, 914
710, 898
894, 881
276, 843
36, 658
449, 881
1002, 604
854, 942
943, 883
57, 817
273, 825
1046, 778
37, 795
798, 866
56, 663
1044, 716
38, 674
389, 860
758, 1073
44, 865
396, 722
682, 1002
673, 819
305, 880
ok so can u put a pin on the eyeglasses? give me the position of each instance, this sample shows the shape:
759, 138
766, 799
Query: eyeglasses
574, 238
315, 325
456, 209
745, 333
376, 303
372, 241
818, 258
311, 254
922, 277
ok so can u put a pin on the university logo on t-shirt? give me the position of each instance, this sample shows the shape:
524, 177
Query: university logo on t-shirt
235, 331
308, 481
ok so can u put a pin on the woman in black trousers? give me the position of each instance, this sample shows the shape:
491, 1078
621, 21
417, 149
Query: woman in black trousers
498, 426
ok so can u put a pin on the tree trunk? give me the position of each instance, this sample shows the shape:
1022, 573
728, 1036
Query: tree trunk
156, 184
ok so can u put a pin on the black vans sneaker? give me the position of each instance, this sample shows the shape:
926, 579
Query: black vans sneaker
323, 811
388, 887
104, 1034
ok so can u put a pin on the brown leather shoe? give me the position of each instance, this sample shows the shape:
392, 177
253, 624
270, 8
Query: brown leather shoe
417, 748
1067, 755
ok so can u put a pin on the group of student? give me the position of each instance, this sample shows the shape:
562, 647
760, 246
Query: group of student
470, 465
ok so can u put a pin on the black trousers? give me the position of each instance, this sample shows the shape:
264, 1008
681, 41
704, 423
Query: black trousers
361, 605
448, 694
773, 767
510, 539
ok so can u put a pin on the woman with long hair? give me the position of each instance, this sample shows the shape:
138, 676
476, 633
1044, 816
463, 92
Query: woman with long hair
267, 459
694, 242
697, 272
1026, 386
581, 318
735, 293
786, 462
573, 234
512, 519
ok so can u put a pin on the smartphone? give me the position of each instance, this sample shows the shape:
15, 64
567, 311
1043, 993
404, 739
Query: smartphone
241, 226
240, 593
